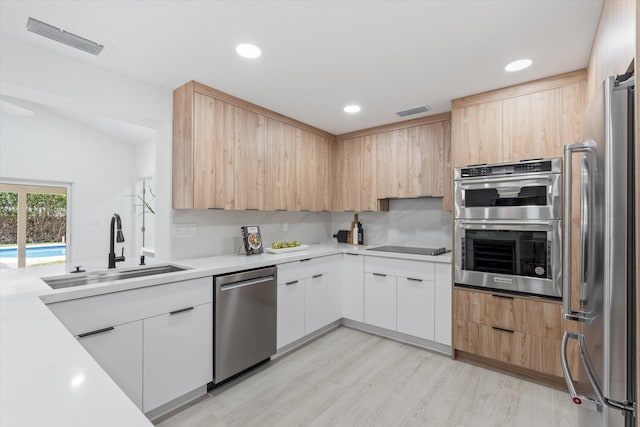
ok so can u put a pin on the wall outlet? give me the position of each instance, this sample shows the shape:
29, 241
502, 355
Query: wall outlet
285, 225
185, 230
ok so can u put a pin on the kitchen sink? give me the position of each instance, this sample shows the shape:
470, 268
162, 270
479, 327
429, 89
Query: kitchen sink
81, 279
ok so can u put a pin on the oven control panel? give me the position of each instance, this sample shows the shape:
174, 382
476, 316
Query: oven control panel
507, 169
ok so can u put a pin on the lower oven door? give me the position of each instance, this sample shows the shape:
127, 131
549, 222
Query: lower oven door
517, 256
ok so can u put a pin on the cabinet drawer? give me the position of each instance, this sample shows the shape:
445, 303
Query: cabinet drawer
302, 269
92, 313
400, 268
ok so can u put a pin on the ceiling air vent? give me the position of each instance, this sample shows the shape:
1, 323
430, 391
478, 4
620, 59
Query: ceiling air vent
65, 37
415, 110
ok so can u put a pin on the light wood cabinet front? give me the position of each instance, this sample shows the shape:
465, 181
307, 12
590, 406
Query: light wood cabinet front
526, 121
533, 125
520, 331
230, 154
347, 177
476, 134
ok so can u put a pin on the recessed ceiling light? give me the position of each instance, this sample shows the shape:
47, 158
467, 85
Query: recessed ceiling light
247, 50
352, 108
518, 65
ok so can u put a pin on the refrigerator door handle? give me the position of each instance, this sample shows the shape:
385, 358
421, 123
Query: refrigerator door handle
578, 399
589, 148
586, 361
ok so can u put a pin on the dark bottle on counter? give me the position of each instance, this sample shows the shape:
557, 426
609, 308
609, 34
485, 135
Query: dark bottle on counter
360, 234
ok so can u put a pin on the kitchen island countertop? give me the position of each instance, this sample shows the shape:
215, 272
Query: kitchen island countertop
47, 376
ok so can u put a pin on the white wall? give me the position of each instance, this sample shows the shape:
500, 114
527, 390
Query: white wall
49, 78
50, 147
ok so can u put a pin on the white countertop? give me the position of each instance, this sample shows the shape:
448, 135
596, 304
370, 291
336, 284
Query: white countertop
46, 376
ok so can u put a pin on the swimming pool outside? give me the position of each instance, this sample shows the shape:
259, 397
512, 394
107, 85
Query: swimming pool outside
35, 255
40, 251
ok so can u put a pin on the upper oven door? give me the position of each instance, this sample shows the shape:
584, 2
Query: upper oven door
525, 196
518, 256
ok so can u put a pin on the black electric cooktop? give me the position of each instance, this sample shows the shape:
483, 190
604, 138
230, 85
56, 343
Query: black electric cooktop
410, 250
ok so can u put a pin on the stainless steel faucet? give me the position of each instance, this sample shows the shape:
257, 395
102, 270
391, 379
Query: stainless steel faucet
120, 238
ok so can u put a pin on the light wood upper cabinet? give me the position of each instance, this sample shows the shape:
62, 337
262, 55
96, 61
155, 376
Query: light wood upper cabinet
231, 154
476, 134
530, 120
369, 193
402, 160
533, 125
347, 175
275, 196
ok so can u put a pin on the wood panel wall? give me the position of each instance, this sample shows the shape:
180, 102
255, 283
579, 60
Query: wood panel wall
614, 46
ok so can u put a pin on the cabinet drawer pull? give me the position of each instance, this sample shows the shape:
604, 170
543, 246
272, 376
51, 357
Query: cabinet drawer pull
379, 274
501, 296
291, 283
317, 275
96, 332
414, 280
305, 260
502, 329
182, 310
353, 254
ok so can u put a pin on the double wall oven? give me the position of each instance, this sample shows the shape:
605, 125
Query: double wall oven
507, 227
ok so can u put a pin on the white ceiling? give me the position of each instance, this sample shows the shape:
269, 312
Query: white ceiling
318, 56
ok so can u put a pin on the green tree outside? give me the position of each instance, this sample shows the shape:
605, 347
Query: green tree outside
46, 217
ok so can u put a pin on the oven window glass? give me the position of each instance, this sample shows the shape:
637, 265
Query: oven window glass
488, 197
521, 253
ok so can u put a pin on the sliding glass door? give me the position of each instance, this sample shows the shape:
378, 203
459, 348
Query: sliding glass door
33, 225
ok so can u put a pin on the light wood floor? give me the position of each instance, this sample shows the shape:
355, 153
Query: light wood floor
350, 378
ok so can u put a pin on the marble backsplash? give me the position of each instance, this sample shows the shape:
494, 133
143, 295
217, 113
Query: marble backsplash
409, 222
417, 222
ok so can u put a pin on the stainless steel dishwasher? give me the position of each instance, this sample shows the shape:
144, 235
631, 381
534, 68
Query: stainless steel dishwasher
245, 321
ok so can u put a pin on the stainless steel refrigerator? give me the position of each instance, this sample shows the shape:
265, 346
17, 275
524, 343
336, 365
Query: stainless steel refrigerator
602, 298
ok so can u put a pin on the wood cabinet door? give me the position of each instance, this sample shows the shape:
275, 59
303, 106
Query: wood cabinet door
209, 136
447, 173
275, 167
498, 311
477, 134
369, 173
306, 170
348, 174
533, 126
249, 168
322, 164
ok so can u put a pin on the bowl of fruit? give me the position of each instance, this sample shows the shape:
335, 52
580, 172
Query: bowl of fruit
282, 247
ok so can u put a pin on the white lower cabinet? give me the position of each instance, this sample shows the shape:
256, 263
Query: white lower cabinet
118, 350
443, 304
380, 300
178, 354
353, 287
290, 323
334, 288
416, 300
315, 303
155, 342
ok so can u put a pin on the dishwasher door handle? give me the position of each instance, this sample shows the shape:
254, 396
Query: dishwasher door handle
244, 283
